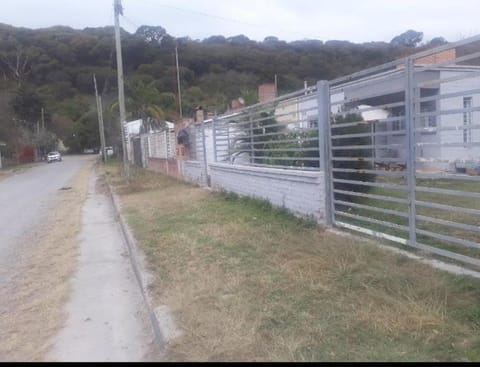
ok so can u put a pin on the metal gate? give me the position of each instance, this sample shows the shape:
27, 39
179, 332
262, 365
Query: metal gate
403, 151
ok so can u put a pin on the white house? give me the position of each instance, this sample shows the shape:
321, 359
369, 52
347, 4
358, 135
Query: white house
446, 118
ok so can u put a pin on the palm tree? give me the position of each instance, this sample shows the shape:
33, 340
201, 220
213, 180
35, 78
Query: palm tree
142, 102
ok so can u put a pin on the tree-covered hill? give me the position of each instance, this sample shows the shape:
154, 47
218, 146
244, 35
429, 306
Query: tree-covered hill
51, 70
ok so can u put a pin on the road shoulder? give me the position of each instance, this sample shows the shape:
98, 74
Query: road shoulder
107, 318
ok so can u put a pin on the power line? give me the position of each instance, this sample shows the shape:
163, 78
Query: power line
131, 22
210, 15
204, 14
301, 35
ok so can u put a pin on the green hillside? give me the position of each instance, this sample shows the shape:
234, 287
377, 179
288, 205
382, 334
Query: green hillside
52, 69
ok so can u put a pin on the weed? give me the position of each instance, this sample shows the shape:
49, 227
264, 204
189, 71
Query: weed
249, 282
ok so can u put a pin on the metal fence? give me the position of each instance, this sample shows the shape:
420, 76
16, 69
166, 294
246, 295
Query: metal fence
404, 151
399, 145
280, 133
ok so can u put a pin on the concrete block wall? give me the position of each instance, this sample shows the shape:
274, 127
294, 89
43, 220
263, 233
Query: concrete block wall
165, 166
301, 192
193, 172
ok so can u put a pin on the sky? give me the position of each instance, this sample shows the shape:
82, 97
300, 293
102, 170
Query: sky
353, 20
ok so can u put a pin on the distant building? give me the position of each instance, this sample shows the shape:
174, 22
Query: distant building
437, 58
266, 92
237, 104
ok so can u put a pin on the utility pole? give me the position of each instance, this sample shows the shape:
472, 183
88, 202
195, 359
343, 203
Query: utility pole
276, 86
100, 120
178, 82
43, 118
121, 92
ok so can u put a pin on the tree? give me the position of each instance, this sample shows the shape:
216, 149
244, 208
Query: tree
27, 105
142, 100
438, 41
45, 141
17, 64
409, 38
151, 34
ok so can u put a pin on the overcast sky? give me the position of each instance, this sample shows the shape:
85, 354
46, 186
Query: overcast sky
289, 20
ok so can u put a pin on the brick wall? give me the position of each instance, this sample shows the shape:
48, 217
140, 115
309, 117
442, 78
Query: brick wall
300, 192
165, 166
439, 57
266, 92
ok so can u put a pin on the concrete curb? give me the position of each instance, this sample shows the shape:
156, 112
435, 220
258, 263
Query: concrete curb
132, 249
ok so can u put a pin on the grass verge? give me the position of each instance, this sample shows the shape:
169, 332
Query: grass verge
248, 282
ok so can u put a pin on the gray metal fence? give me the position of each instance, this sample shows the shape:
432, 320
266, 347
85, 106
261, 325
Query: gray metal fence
280, 133
399, 145
405, 151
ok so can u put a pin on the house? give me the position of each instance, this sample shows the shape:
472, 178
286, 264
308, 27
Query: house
445, 118
133, 130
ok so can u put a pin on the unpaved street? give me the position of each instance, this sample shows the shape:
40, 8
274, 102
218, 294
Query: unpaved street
27, 199
62, 257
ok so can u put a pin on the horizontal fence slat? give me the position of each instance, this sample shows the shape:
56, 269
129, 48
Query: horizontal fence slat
372, 208
448, 95
285, 167
447, 128
451, 145
436, 82
370, 171
448, 254
372, 196
367, 159
361, 147
451, 208
443, 176
369, 134
373, 221
371, 232
443, 222
281, 141
456, 111
434, 190
372, 184
278, 150
446, 238
306, 159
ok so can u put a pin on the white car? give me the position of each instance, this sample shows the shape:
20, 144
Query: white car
54, 156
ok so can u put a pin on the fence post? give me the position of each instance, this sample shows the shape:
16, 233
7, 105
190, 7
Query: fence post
229, 151
252, 151
323, 100
411, 149
204, 146
214, 135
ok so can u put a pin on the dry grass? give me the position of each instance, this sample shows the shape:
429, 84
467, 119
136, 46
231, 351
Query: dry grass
39, 285
249, 283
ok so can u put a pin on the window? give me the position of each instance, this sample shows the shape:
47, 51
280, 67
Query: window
398, 125
429, 120
467, 120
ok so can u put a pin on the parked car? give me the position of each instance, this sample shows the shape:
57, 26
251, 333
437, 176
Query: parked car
54, 156
108, 151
